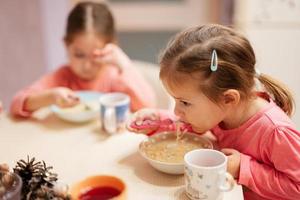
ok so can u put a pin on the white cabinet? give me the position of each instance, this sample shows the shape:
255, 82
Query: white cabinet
273, 27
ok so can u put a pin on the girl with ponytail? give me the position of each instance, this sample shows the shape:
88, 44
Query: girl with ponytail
210, 71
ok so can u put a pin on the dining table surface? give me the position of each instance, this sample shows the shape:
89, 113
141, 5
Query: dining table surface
77, 151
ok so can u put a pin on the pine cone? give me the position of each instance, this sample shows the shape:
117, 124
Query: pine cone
28, 171
38, 180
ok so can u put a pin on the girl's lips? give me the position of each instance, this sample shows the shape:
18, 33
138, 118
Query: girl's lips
190, 126
183, 121
187, 124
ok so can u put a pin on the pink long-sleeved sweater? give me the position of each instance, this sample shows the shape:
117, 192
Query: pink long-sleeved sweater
270, 154
109, 80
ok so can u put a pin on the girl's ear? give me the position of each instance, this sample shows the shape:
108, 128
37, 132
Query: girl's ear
231, 97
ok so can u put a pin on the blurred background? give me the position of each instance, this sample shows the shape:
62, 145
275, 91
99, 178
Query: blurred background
31, 34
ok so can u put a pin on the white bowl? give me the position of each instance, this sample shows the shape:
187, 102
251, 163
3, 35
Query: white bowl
166, 167
78, 113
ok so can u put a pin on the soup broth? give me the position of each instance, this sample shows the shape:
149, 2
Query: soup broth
171, 150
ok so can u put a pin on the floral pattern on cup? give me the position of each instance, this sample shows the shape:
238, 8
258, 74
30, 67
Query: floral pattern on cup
205, 175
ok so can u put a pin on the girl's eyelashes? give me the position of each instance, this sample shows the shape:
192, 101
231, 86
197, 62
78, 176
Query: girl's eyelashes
184, 103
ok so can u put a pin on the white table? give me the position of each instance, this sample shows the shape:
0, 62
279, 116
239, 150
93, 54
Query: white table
77, 151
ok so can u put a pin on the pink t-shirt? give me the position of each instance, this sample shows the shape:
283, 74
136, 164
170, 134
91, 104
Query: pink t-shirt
270, 154
109, 80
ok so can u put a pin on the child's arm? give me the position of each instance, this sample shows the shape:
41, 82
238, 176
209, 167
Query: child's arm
63, 97
281, 178
39, 94
129, 81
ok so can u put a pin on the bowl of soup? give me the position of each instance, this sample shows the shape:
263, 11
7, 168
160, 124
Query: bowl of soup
87, 110
165, 151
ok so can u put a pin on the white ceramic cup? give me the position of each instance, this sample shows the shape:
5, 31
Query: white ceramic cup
114, 111
206, 174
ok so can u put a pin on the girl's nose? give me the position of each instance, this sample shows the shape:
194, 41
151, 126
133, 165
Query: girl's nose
178, 112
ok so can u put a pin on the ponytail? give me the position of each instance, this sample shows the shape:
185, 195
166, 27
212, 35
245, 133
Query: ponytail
281, 94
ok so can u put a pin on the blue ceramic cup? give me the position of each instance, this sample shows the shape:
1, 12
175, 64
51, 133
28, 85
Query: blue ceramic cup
114, 111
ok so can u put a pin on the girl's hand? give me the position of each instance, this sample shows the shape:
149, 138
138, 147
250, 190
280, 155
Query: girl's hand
112, 54
150, 121
60, 96
64, 97
144, 121
234, 161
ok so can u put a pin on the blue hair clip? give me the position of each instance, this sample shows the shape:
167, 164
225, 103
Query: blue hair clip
214, 61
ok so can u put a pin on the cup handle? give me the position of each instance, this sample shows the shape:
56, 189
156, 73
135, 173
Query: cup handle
110, 121
229, 183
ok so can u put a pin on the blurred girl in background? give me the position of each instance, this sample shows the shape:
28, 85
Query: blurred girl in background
96, 63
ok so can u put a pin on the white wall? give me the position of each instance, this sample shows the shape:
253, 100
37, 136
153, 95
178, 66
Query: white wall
54, 16
22, 58
30, 43
273, 27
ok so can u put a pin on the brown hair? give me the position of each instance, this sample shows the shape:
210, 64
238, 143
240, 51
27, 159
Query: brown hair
90, 16
190, 51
